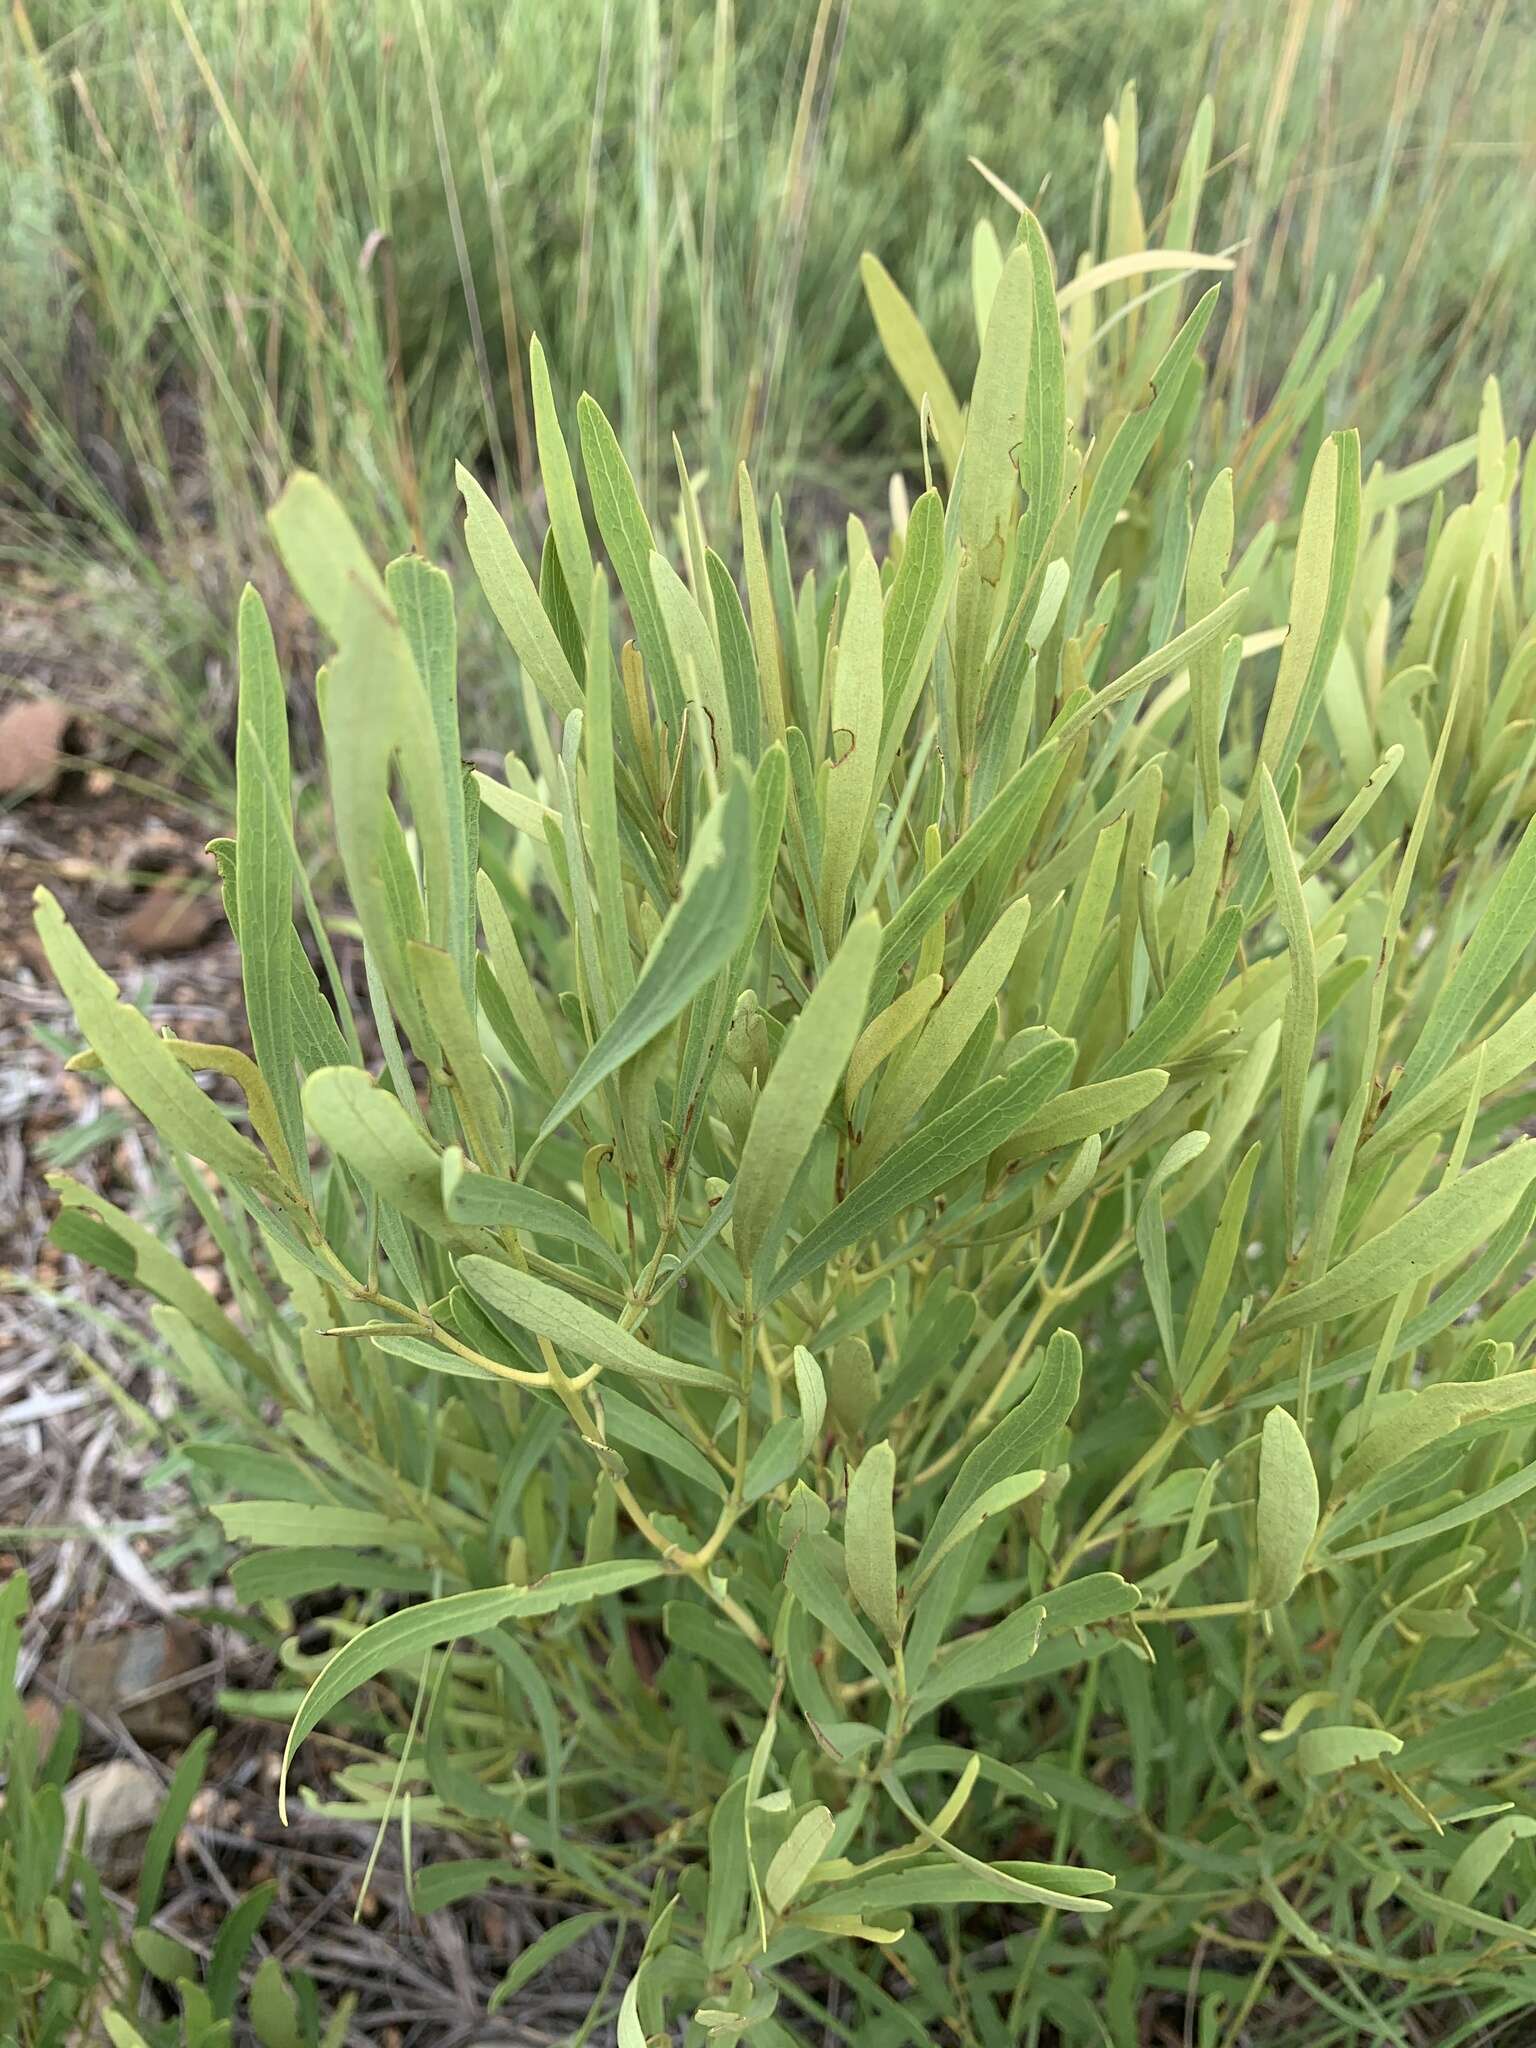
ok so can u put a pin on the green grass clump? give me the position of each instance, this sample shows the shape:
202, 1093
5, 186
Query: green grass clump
71, 1970
896, 1301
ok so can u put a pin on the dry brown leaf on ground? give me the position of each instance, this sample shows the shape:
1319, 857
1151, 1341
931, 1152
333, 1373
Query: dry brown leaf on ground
34, 745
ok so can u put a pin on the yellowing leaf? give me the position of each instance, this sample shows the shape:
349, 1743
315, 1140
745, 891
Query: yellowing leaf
1323, 1752
870, 1540
912, 358
857, 708
146, 1069
1288, 1505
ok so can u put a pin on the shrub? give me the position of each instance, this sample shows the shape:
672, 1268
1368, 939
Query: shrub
895, 1308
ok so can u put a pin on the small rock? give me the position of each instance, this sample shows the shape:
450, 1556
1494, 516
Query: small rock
119, 1801
133, 1674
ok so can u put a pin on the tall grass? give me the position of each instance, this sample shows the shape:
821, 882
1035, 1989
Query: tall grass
240, 234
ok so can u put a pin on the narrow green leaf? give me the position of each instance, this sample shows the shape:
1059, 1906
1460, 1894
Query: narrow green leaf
516, 986
810, 1579
155, 1860
480, 1102
431, 1357
1082, 952
912, 358
695, 657
483, 1201
1001, 1653
1042, 457
626, 1422
294, 1525
1298, 1036
803, 1081
775, 1461
1324, 574
1085, 707
1127, 454
514, 599
853, 1387
870, 1540
854, 748
738, 660
539, 1954
812, 1390
144, 1067
884, 1033
1419, 1534
1007, 1493
1492, 1064
728, 1870
1067, 1887
627, 536
422, 597
913, 621
1467, 1741
263, 869
235, 1066
1442, 1228
1483, 1855
576, 1326
558, 476
1015, 1443
985, 489
157, 1269
1003, 832
1151, 1238
1505, 927
765, 628
233, 1944
915, 1073
375, 711
1426, 1416
1183, 1003
1210, 550
1085, 1112
698, 936
933, 1156
401, 1639
1216, 1271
